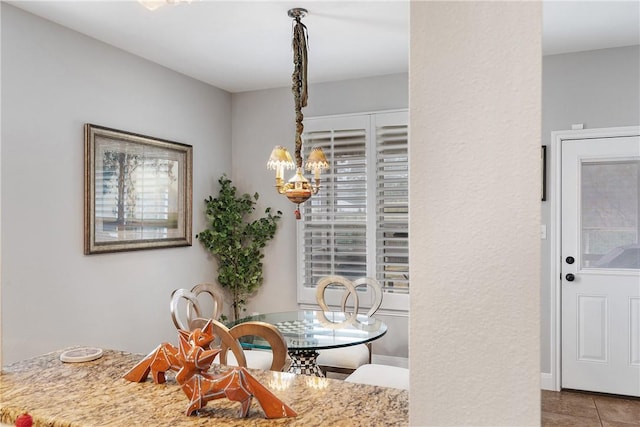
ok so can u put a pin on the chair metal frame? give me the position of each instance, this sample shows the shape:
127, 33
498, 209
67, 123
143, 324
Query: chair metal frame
350, 291
228, 339
327, 281
193, 306
269, 333
210, 289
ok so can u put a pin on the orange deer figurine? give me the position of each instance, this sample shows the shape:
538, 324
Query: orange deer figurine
236, 384
192, 361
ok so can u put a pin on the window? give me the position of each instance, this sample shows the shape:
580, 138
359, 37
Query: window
137, 195
610, 200
357, 225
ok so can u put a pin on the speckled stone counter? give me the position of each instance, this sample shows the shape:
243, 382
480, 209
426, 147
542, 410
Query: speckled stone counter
93, 393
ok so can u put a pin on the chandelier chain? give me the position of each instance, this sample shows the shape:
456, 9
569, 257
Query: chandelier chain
299, 81
298, 189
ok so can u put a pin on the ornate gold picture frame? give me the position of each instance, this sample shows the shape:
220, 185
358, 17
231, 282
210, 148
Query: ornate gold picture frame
138, 191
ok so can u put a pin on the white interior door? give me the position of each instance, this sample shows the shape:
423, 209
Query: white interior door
601, 265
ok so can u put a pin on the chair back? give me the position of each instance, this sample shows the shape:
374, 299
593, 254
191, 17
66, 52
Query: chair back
350, 291
226, 340
266, 331
182, 321
207, 288
375, 288
346, 360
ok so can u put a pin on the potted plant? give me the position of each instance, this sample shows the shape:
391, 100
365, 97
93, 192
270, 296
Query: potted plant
237, 243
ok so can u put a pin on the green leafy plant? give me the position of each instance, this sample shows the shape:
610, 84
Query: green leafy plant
237, 243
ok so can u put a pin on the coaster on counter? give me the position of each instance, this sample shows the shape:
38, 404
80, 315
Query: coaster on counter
82, 354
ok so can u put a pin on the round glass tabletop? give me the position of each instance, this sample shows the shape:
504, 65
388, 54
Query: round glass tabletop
315, 330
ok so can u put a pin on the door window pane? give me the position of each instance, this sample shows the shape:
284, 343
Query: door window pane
609, 207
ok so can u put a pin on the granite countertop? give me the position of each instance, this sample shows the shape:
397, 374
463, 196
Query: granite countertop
94, 393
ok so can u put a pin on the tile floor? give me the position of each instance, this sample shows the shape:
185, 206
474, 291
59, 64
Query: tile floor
580, 409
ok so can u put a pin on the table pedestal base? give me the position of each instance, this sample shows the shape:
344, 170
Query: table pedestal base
304, 362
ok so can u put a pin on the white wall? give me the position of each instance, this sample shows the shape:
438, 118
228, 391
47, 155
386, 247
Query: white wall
262, 119
53, 81
599, 88
475, 213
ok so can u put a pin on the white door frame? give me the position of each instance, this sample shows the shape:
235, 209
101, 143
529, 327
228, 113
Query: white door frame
555, 232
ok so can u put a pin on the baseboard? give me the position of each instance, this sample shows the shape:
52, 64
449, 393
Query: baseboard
547, 382
381, 359
546, 379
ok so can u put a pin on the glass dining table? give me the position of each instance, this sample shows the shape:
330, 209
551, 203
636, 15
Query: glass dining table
307, 331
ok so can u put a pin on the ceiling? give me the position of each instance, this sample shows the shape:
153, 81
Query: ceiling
246, 45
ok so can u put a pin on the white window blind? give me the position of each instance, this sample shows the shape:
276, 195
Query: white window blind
357, 225
392, 208
336, 218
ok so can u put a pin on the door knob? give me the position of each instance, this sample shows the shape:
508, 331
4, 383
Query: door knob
570, 277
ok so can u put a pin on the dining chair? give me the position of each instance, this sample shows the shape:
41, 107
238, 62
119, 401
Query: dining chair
223, 339
216, 298
345, 360
350, 291
228, 339
274, 360
182, 318
381, 375
192, 305
191, 318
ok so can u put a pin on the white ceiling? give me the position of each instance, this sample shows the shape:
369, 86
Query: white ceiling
245, 45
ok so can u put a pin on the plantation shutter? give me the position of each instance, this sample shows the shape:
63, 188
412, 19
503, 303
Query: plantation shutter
335, 219
392, 207
357, 225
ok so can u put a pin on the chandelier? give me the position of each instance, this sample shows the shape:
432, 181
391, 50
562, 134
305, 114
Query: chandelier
298, 189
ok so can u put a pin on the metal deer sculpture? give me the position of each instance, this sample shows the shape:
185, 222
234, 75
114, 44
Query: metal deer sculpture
192, 360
